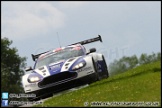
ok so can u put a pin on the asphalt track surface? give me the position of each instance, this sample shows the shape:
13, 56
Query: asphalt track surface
55, 94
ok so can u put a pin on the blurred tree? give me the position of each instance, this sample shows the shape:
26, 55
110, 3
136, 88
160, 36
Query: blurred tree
123, 64
11, 68
126, 63
144, 58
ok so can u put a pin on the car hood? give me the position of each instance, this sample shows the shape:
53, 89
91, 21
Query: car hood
57, 67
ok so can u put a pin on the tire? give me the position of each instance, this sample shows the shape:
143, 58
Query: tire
105, 67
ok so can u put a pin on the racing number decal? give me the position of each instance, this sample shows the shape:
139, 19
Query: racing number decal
99, 66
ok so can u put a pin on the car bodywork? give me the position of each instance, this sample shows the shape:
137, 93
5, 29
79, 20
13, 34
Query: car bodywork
65, 67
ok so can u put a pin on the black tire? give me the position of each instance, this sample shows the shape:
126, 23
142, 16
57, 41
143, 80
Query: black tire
105, 68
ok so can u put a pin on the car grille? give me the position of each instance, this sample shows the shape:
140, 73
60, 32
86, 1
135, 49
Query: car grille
57, 78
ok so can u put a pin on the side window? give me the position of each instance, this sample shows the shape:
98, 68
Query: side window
84, 49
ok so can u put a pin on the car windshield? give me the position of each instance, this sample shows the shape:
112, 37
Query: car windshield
60, 55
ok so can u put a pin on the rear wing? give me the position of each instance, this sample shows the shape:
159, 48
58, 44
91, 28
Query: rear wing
34, 57
89, 40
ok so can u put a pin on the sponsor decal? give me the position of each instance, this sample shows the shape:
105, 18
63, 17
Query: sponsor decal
55, 67
54, 63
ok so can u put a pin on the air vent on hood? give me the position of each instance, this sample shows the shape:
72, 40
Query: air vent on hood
71, 59
41, 68
44, 71
67, 64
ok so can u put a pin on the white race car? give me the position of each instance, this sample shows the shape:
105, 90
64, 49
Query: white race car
64, 68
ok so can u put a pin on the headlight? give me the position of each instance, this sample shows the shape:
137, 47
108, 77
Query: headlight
79, 65
33, 79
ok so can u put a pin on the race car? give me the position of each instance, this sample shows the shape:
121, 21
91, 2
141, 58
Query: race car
65, 67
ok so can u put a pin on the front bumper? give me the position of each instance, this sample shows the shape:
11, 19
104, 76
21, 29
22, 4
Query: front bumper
57, 79
64, 86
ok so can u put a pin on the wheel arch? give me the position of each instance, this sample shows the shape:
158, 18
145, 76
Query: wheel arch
96, 56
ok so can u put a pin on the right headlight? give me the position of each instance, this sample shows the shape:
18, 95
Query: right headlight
33, 79
79, 65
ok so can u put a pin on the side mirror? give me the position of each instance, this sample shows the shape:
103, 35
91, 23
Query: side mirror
28, 68
91, 50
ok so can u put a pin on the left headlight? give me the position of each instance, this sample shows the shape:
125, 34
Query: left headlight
79, 65
33, 79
